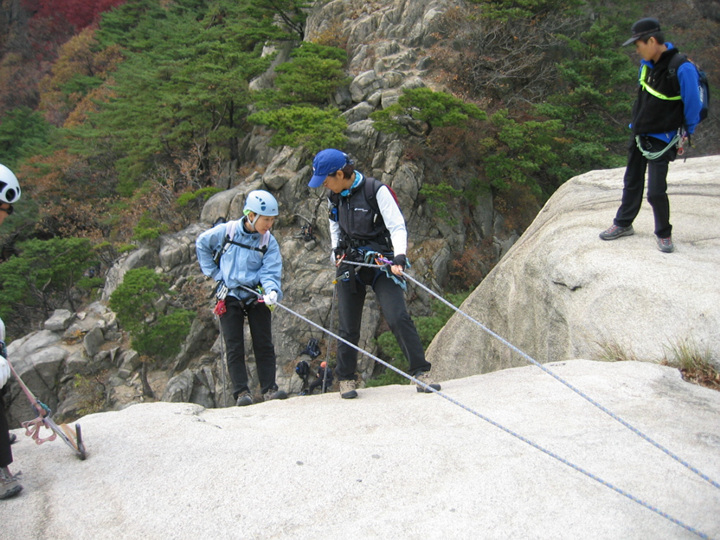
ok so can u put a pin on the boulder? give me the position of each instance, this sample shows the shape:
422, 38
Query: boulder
179, 388
59, 321
179, 248
40, 370
561, 292
92, 341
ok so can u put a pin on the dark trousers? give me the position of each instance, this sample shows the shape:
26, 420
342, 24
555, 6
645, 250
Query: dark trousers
351, 299
318, 382
634, 183
260, 321
5, 451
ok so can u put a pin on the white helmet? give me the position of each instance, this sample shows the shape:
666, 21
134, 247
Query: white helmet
9, 186
260, 202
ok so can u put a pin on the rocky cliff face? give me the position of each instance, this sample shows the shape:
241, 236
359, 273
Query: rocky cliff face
387, 43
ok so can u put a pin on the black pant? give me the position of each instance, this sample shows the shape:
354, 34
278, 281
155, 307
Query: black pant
5, 451
260, 322
318, 382
351, 299
634, 184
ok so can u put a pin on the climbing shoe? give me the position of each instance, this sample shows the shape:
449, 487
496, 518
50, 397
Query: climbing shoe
9, 486
425, 377
244, 399
616, 232
274, 394
665, 244
347, 389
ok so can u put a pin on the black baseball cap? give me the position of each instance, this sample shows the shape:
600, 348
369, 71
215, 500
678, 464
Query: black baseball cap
642, 28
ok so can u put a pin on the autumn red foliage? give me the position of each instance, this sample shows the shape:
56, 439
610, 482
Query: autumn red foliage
77, 13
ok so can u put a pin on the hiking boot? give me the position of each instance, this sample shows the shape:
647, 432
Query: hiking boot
347, 389
665, 244
616, 232
274, 394
425, 377
244, 399
9, 486
13, 438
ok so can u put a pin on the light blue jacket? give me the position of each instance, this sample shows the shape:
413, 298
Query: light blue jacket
240, 265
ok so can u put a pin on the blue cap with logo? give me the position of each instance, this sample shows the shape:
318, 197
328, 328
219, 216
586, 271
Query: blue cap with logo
326, 162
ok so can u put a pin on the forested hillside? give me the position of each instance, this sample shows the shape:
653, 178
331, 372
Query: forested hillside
120, 118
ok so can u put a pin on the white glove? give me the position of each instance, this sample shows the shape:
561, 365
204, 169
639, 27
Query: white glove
270, 298
221, 291
4, 371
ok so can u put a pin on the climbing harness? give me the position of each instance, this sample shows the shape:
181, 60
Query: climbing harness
368, 256
544, 450
560, 379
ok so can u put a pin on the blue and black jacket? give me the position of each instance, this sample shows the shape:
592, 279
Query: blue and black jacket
668, 97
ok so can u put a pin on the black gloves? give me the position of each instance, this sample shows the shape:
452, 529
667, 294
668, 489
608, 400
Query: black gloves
400, 260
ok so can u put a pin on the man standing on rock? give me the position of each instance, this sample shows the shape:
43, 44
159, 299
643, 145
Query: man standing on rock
668, 102
365, 221
9, 486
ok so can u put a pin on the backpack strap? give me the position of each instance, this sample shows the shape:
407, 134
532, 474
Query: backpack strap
230, 235
372, 185
675, 62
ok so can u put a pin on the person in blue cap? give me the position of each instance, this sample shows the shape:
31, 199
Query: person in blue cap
667, 103
365, 222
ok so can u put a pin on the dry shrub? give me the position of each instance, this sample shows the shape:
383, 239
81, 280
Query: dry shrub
518, 205
332, 36
469, 269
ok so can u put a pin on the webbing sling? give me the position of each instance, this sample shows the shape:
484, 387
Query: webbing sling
651, 156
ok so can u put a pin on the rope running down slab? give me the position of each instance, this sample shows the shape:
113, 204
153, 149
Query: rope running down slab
560, 379
494, 423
